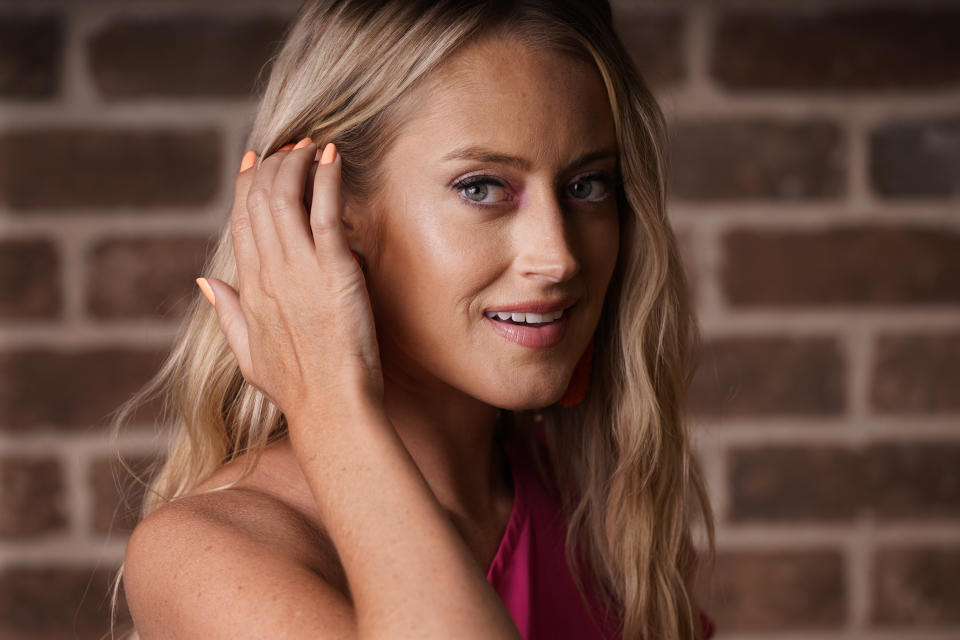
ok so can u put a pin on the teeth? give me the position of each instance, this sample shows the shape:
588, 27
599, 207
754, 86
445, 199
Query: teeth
532, 318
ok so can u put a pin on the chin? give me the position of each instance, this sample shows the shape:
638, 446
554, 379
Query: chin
520, 399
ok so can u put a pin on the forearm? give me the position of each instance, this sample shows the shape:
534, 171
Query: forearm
410, 573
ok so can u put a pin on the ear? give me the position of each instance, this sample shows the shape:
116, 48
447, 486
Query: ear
353, 216
357, 225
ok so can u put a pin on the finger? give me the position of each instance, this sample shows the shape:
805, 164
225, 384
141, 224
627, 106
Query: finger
289, 214
244, 248
259, 203
233, 324
308, 193
329, 237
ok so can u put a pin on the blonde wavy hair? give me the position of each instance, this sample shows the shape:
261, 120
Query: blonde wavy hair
623, 468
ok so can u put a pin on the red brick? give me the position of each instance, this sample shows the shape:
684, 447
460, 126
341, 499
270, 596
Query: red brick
892, 481
917, 372
849, 265
655, 42
755, 591
757, 159
52, 603
117, 495
29, 280
183, 56
30, 52
904, 481
769, 376
875, 49
31, 498
916, 587
916, 158
144, 277
69, 168
774, 483
74, 389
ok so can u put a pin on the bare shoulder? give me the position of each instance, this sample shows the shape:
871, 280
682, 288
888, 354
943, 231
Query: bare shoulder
235, 563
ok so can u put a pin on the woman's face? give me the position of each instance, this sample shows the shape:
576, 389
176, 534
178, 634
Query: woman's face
497, 192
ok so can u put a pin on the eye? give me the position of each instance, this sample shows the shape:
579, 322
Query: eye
482, 190
592, 188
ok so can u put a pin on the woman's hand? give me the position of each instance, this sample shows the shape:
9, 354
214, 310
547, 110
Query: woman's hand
301, 326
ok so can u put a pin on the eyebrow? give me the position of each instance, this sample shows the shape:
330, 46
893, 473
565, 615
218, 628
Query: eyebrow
482, 154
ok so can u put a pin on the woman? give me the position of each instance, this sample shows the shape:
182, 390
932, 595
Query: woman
473, 426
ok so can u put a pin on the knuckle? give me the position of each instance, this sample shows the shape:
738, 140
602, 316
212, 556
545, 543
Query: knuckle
281, 204
322, 224
258, 199
239, 225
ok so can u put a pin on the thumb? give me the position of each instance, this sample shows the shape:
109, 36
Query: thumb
233, 324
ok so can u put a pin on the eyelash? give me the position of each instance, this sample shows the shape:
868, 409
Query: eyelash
609, 180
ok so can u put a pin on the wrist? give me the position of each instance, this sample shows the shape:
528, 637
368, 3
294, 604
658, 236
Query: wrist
333, 415
338, 400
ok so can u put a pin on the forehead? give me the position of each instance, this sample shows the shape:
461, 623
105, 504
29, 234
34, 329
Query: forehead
536, 103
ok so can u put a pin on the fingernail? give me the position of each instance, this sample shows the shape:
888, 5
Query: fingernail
329, 153
207, 291
286, 147
303, 143
249, 159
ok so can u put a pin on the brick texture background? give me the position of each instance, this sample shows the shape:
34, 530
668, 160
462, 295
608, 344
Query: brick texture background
815, 190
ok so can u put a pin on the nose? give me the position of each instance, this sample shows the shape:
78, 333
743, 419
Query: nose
544, 249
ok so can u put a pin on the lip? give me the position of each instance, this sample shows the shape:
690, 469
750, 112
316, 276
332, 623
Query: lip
534, 337
536, 306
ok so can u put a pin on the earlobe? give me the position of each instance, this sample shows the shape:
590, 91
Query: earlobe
361, 224
353, 230
345, 219
349, 215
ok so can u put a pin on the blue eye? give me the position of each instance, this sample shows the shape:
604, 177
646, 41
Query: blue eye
486, 191
477, 189
592, 188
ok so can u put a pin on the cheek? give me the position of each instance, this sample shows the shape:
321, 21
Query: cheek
601, 246
439, 262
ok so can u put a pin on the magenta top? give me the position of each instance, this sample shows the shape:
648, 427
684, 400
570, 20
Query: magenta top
529, 570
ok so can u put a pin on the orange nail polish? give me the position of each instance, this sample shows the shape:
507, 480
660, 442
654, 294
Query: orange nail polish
329, 153
207, 291
286, 147
303, 143
248, 160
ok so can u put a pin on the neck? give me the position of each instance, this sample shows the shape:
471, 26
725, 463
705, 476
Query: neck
450, 437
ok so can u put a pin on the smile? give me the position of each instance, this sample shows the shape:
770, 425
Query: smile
537, 331
536, 319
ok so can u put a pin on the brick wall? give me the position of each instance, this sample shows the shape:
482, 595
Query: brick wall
816, 192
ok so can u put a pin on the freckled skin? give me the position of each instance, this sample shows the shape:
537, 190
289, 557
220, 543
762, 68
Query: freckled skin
440, 261
444, 260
